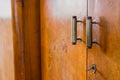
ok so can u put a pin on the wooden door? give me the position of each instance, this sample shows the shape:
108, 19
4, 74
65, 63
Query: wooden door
106, 55
60, 59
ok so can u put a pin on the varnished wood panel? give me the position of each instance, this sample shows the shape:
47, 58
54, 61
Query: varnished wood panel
6, 50
60, 59
18, 40
25, 18
106, 55
31, 21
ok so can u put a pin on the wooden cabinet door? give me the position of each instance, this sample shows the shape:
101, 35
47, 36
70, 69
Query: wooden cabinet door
60, 59
106, 55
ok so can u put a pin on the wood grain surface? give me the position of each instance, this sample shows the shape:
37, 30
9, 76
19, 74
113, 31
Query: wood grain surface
60, 59
106, 55
31, 20
59, 56
26, 39
6, 50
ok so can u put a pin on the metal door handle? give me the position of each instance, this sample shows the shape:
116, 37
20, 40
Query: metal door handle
88, 31
89, 26
74, 30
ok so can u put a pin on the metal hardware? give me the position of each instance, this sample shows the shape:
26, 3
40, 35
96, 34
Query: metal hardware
95, 42
93, 68
89, 32
89, 24
74, 30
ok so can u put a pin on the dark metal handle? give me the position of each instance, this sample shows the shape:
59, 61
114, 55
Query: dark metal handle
89, 32
74, 30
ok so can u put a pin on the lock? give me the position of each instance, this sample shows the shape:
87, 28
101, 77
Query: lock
93, 68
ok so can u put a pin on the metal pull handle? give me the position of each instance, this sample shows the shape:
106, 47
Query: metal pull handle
89, 32
74, 30
89, 26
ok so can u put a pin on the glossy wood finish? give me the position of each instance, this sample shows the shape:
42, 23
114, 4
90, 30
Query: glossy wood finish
6, 50
60, 59
32, 39
18, 40
26, 39
106, 55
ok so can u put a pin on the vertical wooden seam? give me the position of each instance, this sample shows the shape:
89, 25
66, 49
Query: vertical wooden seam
18, 40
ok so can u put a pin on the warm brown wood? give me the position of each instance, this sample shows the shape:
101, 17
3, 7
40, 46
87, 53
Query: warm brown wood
32, 39
6, 50
18, 40
106, 55
60, 59
56, 48
26, 39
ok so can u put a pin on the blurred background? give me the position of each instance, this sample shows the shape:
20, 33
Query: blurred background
6, 42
